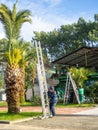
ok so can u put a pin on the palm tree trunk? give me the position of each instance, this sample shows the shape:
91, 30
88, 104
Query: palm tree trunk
12, 82
13, 100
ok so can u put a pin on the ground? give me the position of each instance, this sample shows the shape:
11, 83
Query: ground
62, 122
66, 123
66, 119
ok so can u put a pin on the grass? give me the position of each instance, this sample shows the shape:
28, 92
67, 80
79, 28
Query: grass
22, 115
3, 103
29, 104
77, 105
10, 117
58, 105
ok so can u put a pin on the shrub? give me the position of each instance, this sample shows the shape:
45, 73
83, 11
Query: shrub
92, 92
36, 100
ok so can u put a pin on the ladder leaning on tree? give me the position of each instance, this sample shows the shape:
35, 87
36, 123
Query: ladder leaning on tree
42, 80
70, 83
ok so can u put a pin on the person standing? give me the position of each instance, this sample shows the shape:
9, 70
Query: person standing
52, 100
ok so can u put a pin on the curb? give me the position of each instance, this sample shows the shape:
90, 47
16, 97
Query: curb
15, 121
20, 120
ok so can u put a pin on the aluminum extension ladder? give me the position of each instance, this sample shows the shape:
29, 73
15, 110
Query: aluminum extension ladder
42, 81
70, 82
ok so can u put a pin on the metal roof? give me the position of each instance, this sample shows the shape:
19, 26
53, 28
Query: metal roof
83, 57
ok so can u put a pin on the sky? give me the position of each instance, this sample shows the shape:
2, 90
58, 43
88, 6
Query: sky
48, 15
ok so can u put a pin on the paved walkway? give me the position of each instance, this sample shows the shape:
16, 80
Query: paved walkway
90, 112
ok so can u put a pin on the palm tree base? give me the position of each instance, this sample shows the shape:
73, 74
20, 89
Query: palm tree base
13, 110
13, 100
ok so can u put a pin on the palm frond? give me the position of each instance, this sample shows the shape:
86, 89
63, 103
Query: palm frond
5, 18
5, 9
14, 56
13, 20
14, 12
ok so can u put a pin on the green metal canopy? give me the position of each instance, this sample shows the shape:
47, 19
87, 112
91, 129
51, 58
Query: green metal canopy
82, 57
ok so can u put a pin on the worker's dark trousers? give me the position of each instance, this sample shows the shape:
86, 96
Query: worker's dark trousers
52, 108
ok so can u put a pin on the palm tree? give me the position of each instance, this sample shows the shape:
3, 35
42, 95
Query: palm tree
13, 21
31, 73
79, 75
28, 53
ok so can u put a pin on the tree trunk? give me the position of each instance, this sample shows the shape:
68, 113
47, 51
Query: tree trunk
33, 89
12, 81
13, 100
22, 92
